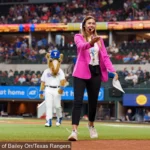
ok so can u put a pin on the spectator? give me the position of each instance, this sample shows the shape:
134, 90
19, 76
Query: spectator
128, 58
42, 50
144, 61
139, 72
136, 57
44, 60
1, 52
11, 51
4, 74
132, 77
39, 43
44, 41
32, 56
10, 73
23, 54
128, 116
16, 79
28, 79
147, 116
39, 79
24, 45
125, 72
18, 46
22, 79
56, 13
34, 79
132, 71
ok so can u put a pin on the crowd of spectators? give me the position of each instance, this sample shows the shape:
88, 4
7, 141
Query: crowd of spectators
26, 77
132, 52
147, 116
20, 48
133, 77
141, 114
20, 78
75, 11
130, 76
128, 52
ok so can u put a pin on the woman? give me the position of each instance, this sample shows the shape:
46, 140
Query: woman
92, 66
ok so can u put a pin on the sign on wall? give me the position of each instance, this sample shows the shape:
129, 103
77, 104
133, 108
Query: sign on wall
32, 92
136, 100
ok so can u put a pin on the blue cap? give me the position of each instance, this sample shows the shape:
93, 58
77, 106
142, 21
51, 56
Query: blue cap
55, 54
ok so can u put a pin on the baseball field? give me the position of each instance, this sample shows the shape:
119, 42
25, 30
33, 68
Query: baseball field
110, 134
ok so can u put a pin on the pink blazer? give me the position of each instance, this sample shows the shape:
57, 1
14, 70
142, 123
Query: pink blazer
81, 69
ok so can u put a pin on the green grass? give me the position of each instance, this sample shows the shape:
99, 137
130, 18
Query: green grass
34, 130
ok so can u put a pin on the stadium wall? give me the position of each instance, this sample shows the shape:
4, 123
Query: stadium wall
32, 67
41, 67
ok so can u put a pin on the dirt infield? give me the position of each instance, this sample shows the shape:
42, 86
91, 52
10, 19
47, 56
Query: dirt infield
112, 145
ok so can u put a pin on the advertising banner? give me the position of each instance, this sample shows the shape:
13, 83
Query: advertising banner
32, 92
76, 26
136, 100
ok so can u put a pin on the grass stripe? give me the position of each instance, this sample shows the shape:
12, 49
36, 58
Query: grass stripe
34, 130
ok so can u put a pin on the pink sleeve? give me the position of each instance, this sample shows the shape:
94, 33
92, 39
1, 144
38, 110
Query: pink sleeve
80, 43
107, 61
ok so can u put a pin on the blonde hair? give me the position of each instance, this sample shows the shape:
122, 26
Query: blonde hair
83, 32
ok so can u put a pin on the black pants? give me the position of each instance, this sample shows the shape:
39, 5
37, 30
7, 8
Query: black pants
93, 86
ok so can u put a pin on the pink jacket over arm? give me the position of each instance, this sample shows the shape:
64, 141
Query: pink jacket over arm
81, 69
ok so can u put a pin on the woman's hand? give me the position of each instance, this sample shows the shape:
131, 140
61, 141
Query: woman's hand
94, 40
116, 76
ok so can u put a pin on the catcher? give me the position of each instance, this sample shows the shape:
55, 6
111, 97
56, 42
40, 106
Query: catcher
53, 81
